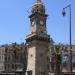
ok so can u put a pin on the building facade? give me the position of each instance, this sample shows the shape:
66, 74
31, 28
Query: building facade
65, 64
2, 57
13, 59
66, 61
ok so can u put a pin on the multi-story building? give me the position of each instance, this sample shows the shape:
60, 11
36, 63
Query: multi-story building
67, 61
2, 59
13, 59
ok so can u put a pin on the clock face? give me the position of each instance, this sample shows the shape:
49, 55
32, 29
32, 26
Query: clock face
33, 23
41, 22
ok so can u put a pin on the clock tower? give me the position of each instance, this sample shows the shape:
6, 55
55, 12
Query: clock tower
38, 42
38, 18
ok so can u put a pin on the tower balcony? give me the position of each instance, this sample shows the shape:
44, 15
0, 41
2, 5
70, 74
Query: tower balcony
39, 37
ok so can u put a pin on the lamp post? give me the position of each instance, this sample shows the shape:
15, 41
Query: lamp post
64, 13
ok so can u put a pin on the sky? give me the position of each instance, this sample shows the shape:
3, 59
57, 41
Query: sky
15, 23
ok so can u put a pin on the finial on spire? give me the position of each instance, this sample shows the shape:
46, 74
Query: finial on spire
38, 0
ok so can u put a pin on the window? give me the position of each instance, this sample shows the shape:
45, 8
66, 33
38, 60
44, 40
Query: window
0, 58
0, 52
7, 66
1, 68
13, 66
18, 66
8, 58
32, 23
41, 22
48, 66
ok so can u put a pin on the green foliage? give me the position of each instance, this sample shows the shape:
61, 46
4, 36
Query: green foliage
58, 48
56, 52
15, 46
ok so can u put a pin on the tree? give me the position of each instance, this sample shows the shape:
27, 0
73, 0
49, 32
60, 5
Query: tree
58, 51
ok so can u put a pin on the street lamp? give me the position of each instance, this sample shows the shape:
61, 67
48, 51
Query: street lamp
64, 13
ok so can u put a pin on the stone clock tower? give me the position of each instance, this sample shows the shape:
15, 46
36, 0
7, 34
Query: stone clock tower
38, 42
